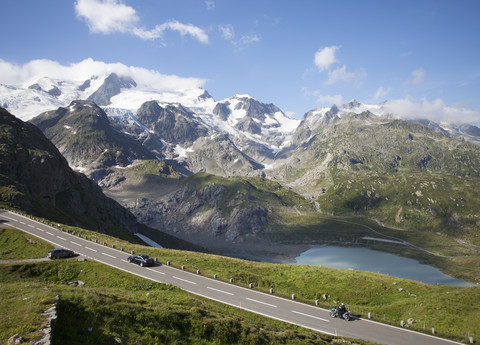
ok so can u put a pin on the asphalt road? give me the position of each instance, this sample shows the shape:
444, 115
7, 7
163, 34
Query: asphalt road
307, 316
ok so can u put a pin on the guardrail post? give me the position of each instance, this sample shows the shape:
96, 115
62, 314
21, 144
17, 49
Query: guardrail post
198, 271
293, 296
250, 285
271, 290
168, 263
132, 252
113, 246
369, 315
96, 241
231, 280
471, 340
316, 302
402, 323
214, 276
156, 259
433, 331
121, 249
183, 268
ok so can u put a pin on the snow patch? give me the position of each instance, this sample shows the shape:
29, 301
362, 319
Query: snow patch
148, 241
182, 152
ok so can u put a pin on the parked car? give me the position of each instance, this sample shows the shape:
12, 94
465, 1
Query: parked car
141, 259
60, 253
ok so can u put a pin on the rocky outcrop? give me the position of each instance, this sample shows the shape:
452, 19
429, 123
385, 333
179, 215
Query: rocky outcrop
189, 211
83, 134
173, 122
51, 316
47, 332
37, 178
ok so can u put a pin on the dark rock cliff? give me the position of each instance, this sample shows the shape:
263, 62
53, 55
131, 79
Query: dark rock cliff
34, 176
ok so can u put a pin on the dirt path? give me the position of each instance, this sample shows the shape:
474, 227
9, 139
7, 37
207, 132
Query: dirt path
23, 261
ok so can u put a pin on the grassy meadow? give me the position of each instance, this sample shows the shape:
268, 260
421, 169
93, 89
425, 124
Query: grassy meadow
112, 298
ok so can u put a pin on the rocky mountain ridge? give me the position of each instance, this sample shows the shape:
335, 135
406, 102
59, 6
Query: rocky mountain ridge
330, 157
37, 178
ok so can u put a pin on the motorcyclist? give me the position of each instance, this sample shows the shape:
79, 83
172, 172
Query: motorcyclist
341, 310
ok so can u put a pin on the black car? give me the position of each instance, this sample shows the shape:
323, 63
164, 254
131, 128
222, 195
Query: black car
142, 260
59, 253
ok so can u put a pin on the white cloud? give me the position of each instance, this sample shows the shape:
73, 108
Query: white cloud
210, 4
328, 100
381, 93
227, 31
417, 77
246, 40
325, 57
182, 29
341, 74
106, 16
436, 111
25, 75
109, 16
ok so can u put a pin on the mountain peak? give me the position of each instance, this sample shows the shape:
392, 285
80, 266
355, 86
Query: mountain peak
351, 105
204, 96
111, 86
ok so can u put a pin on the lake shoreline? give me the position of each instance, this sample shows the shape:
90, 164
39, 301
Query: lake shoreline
262, 250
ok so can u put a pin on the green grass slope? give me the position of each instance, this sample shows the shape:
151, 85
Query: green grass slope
117, 307
112, 298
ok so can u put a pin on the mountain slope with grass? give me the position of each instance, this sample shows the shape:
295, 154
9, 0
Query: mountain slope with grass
36, 178
114, 306
163, 313
401, 173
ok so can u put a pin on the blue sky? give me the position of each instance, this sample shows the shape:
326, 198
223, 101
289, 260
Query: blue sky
296, 54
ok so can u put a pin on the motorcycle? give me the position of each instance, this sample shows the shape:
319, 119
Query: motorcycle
334, 313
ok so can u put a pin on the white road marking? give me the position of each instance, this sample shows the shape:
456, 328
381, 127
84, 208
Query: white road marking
254, 300
93, 250
75, 243
315, 317
151, 269
40, 229
23, 223
49, 233
184, 280
11, 218
61, 238
30, 225
109, 255
225, 292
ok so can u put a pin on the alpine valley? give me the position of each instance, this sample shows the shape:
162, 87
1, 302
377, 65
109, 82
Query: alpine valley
239, 177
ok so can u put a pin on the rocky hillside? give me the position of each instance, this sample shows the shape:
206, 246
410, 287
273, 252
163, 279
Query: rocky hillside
405, 174
205, 207
336, 158
83, 134
325, 143
351, 159
35, 177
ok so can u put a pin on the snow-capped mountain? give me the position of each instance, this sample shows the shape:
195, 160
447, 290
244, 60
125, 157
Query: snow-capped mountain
35, 97
239, 134
259, 130
240, 115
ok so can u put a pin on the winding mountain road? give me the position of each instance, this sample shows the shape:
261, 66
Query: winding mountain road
269, 305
